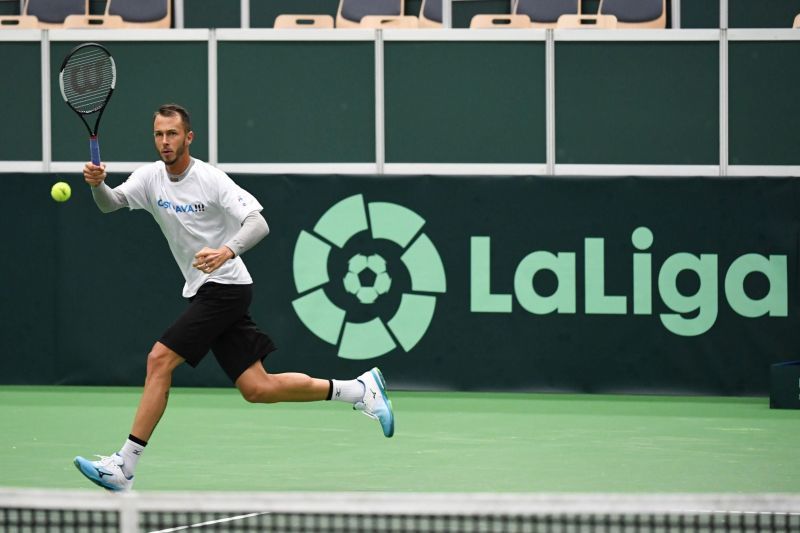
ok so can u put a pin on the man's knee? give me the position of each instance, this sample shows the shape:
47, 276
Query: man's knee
250, 392
262, 390
161, 360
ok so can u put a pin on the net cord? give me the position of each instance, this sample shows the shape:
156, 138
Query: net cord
467, 504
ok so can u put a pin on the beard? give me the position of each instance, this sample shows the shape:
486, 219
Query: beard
176, 154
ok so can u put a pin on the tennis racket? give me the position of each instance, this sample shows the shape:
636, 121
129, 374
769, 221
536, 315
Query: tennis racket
87, 78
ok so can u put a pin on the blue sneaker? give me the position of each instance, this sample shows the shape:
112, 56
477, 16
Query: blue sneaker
107, 472
375, 403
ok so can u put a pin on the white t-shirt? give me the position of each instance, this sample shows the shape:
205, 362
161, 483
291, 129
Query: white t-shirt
205, 208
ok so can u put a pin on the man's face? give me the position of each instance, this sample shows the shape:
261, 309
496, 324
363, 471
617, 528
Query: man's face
171, 139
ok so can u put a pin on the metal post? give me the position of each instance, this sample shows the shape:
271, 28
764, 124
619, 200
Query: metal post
47, 145
213, 123
550, 101
723, 87
179, 14
447, 13
380, 131
244, 16
676, 14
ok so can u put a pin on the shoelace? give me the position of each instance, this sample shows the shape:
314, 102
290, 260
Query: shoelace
107, 460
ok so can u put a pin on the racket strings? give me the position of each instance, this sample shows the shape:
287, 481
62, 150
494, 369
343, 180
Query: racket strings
87, 80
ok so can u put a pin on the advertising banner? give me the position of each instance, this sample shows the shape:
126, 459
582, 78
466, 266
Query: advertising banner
580, 284
620, 284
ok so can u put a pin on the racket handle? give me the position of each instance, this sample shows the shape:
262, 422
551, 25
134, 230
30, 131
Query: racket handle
94, 148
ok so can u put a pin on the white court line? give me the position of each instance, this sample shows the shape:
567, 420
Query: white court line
210, 522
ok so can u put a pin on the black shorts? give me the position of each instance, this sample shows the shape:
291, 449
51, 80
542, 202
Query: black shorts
217, 319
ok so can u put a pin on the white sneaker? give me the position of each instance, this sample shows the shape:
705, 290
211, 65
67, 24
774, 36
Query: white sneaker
107, 472
375, 403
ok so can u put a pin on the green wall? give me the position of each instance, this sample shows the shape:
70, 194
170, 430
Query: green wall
314, 101
486, 106
755, 14
642, 103
764, 108
89, 293
460, 101
21, 126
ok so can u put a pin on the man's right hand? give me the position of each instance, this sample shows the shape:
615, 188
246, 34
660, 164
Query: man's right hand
93, 174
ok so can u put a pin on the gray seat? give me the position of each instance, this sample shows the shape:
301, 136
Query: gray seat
142, 13
352, 11
545, 13
52, 13
431, 10
636, 13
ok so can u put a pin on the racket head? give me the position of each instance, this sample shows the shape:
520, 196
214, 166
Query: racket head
87, 78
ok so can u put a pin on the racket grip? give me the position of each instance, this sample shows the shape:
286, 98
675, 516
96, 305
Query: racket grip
94, 148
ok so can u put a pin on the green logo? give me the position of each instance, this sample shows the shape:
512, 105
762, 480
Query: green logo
340, 257
381, 281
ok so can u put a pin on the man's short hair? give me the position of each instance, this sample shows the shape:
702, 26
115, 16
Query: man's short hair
170, 110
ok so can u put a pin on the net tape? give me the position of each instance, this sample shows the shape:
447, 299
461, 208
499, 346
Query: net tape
89, 511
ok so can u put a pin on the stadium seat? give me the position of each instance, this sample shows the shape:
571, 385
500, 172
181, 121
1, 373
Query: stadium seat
430, 14
600, 22
636, 13
142, 13
126, 14
380, 21
545, 13
303, 22
45, 14
351, 12
500, 21
529, 14
10, 22
108, 22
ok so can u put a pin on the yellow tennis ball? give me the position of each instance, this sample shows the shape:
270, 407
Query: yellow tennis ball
61, 191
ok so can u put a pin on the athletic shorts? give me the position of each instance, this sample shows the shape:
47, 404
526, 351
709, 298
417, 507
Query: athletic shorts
217, 319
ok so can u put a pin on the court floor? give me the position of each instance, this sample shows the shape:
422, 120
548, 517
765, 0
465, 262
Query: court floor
210, 439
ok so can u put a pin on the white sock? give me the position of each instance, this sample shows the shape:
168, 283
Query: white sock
350, 391
130, 453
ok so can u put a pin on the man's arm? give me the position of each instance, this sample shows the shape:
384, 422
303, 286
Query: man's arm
254, 228
106, 198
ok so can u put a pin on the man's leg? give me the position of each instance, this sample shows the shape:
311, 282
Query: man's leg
367, 393
116, 471
161, 362
257, 386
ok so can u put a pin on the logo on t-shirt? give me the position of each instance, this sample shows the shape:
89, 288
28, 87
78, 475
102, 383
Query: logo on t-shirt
182, 208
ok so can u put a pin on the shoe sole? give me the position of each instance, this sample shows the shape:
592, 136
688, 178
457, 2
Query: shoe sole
88, 475
378, 377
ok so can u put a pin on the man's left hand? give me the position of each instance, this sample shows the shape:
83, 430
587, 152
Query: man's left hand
208, 260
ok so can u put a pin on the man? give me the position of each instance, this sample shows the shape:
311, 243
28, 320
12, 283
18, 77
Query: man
209, 222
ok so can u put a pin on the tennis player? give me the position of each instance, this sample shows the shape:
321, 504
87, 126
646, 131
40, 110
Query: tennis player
209, 222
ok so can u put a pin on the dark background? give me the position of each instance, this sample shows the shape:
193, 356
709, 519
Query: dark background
87, 294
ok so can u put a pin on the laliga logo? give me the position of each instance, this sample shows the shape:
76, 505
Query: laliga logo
367, 278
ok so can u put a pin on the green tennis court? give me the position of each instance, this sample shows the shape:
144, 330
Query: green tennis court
211, 440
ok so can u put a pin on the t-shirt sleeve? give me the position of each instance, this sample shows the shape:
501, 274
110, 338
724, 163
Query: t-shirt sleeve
135, 189
237, 201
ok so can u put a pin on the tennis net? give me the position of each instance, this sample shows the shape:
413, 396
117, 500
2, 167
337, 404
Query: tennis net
34, 511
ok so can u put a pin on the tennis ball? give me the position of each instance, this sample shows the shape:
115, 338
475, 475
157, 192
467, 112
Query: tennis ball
61, 191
